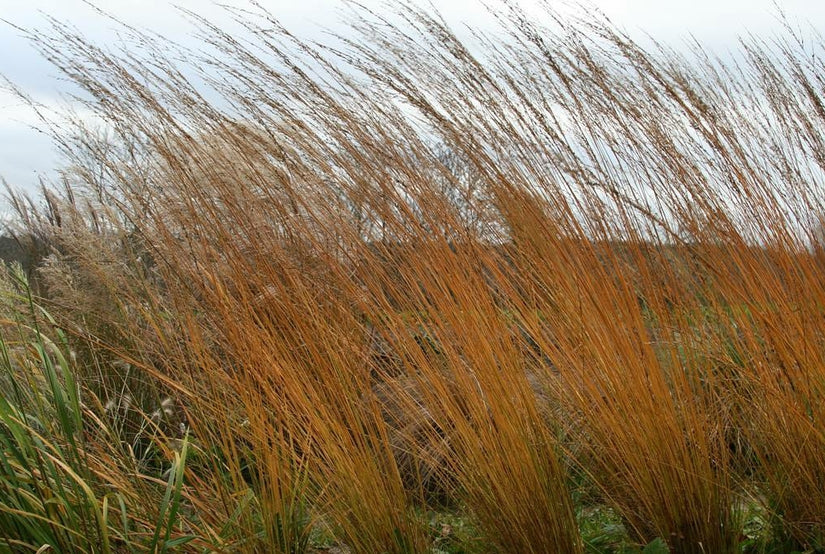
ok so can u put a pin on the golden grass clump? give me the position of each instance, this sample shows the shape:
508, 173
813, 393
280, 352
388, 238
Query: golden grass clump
511, 281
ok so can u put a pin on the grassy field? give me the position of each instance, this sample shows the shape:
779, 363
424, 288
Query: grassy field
549, 291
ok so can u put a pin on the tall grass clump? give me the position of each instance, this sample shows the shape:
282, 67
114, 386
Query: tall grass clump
326, 293
65, 486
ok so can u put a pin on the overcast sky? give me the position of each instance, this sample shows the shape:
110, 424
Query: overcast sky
25, 155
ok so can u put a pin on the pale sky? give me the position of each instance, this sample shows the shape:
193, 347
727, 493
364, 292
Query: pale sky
25, 155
